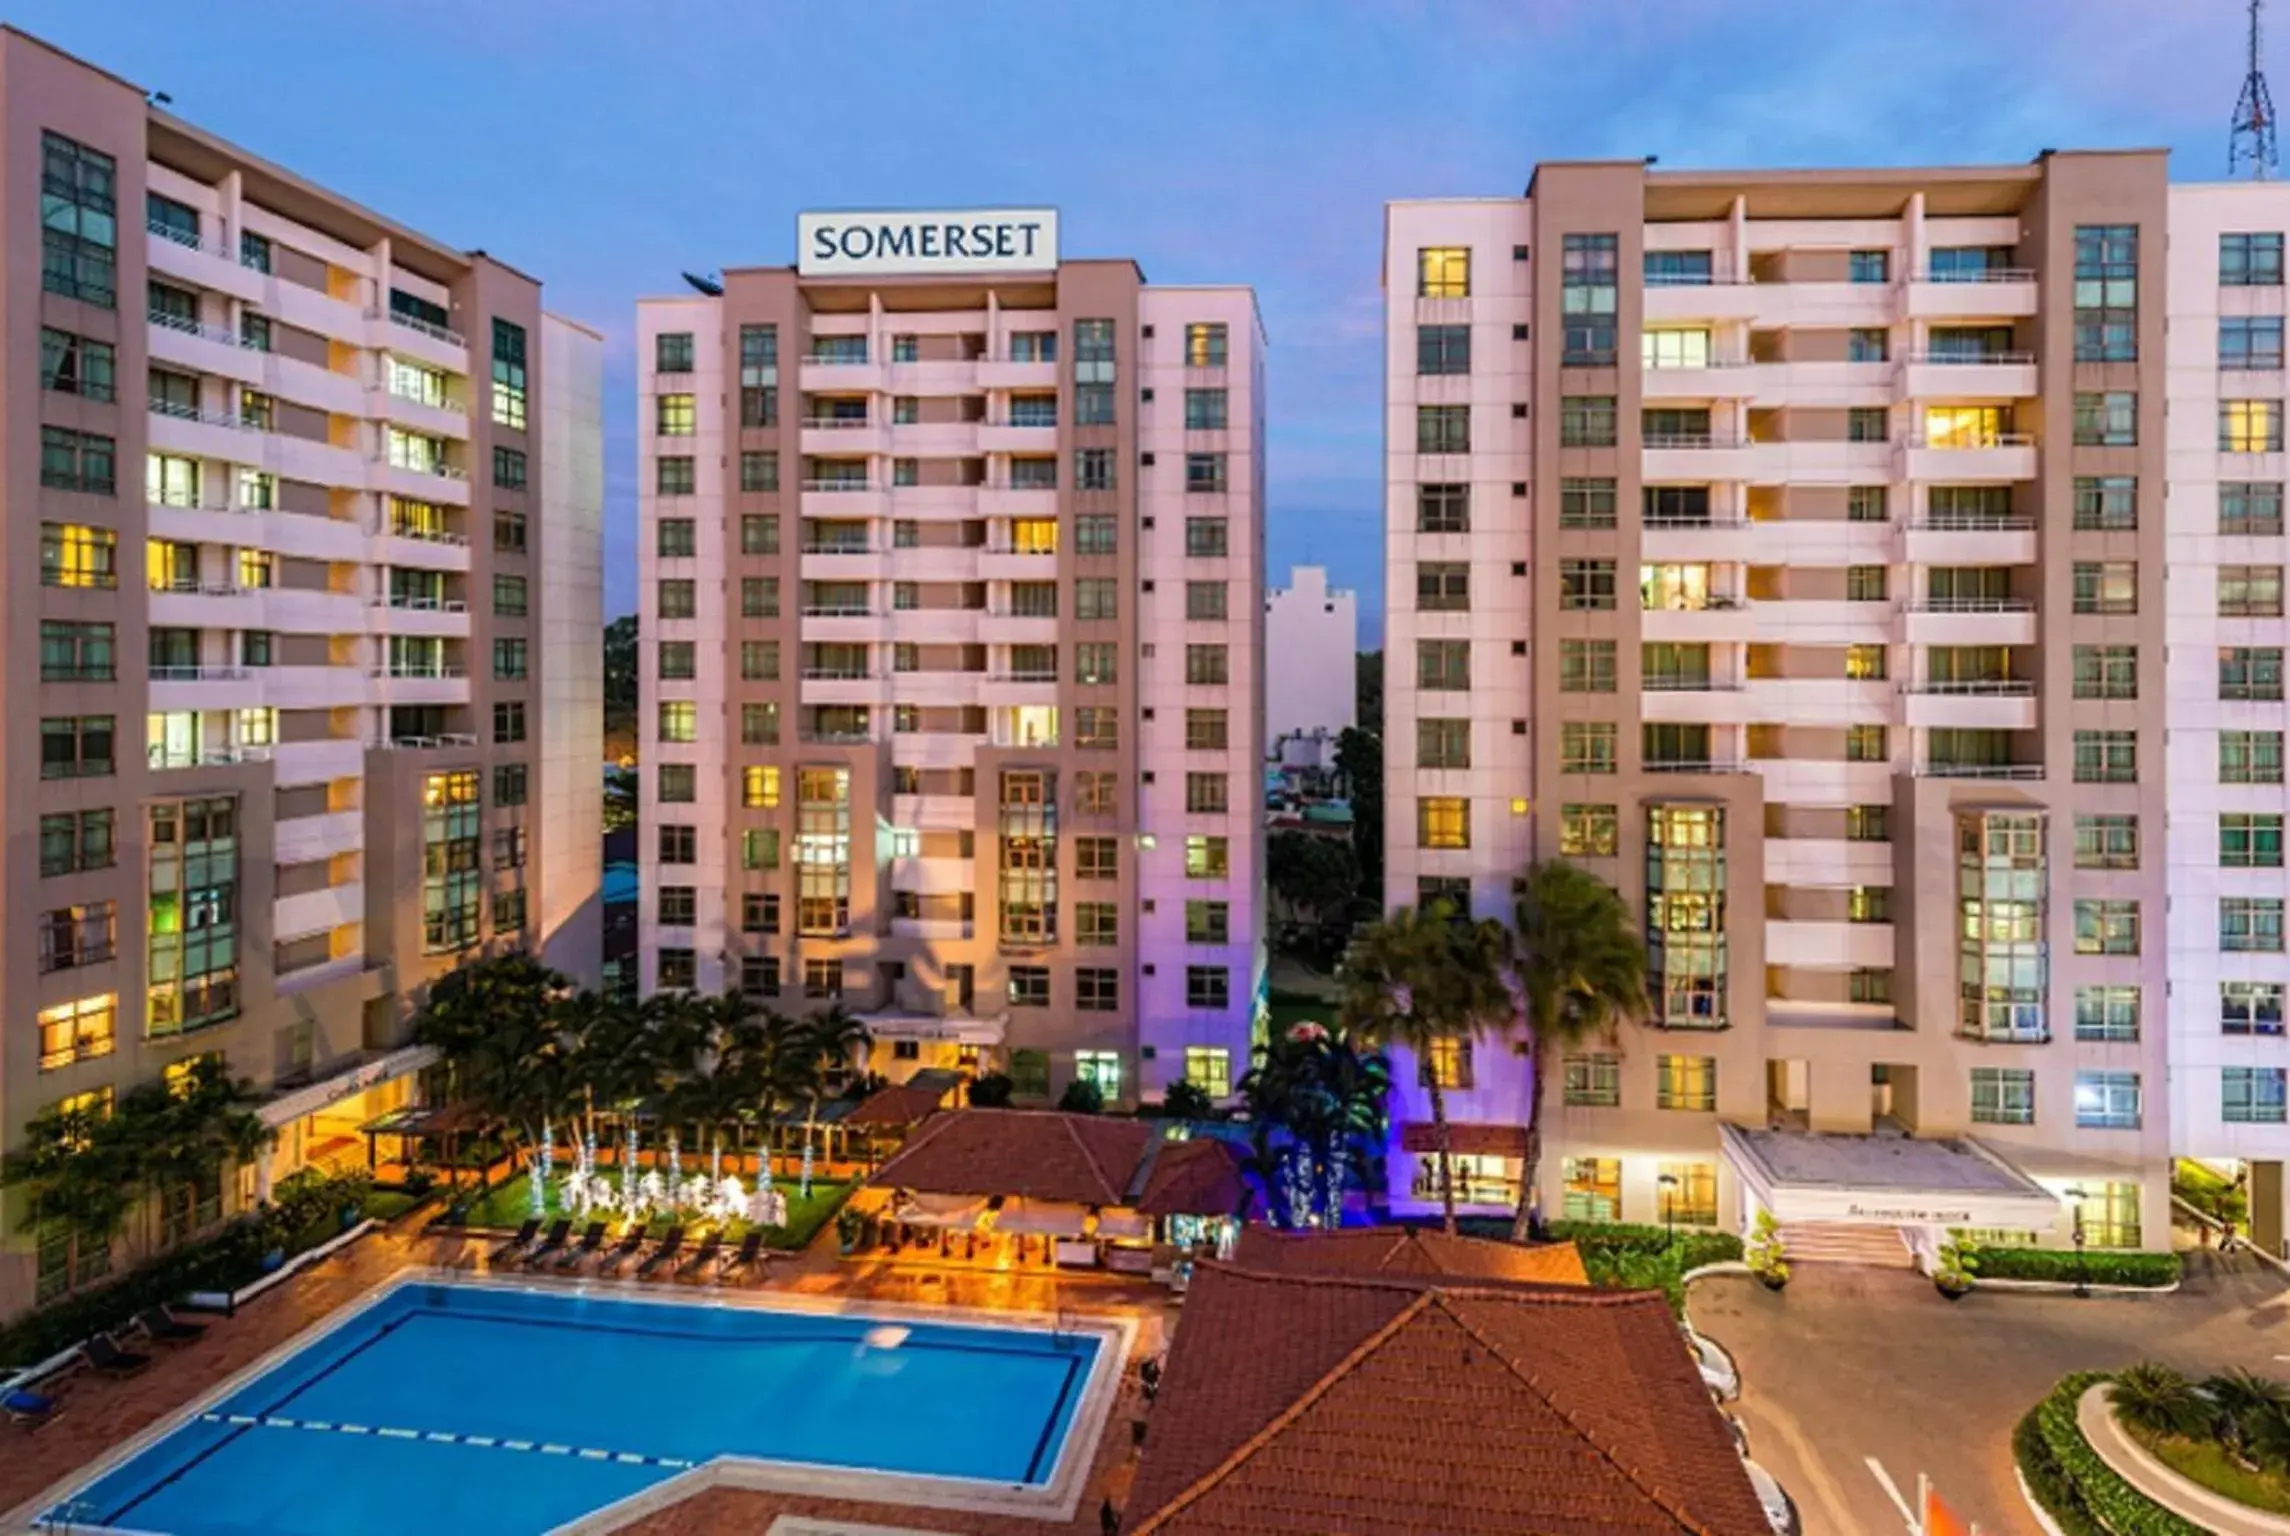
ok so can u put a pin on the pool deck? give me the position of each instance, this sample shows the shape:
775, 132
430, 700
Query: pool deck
100, 1414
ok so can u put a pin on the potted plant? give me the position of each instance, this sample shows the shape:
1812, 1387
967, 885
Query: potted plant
1765, 1255
848, 1225
1952, 1275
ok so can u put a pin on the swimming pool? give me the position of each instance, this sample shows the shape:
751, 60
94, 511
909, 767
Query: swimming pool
446, 1408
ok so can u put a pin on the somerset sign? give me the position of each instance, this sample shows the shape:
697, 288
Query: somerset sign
951, 242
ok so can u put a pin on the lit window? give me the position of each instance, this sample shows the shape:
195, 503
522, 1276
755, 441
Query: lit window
759, 786
1443, 272
1209, 1068
1443, 821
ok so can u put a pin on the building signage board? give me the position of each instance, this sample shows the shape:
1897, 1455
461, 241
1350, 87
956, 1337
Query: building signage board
946, 242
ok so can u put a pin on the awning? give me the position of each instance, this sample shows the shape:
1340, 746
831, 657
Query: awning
308, 1100
1811, 1176
939, 1210
1465, 1138
937, 1027
1124, 1224
1039, 1218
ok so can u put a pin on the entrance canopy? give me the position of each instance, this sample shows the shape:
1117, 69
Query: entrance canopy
1041, 1218
1816, 1176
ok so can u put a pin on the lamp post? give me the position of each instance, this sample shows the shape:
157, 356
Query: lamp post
2077, 1193
1669, 1183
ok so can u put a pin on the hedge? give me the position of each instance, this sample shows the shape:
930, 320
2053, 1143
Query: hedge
2105, 1267
2068, 1478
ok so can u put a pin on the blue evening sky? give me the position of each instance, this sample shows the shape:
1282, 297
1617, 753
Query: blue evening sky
605, 146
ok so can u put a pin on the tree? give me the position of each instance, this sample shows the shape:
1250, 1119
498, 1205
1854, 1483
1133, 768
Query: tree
2159, 1400
991, 1091
832, 1039
1581, 970
1315, 1108
620, 688
1360, 762
1368, 686
1313, 877
1423, 977
1082, 1096
1184, 1100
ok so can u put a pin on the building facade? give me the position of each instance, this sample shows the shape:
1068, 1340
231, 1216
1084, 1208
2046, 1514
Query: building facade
1788, 549
291, 764
1312, 657
952, 661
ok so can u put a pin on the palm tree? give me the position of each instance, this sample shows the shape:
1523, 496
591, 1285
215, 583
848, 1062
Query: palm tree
1422, 978
1581, 970
832, 1037
2159, 1400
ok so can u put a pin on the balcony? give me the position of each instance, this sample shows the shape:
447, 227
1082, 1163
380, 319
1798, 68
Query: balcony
208, 263
1729, 378
444, 417
2004, 293
1970, 621
436, 481
161, 758
1969, 540
1968, 376
2023, 773
422, 743
389, 330
844, 436
837, 374
1999, 456
1721, 537
2007, 704
1696, 457
1698, 765
1722, 620
1715, 300
1824, 945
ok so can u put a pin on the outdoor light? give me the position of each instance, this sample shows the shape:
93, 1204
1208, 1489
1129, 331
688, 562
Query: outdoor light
1669, 1183
2078, 1194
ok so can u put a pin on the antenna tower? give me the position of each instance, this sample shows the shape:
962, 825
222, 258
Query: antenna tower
2250, 142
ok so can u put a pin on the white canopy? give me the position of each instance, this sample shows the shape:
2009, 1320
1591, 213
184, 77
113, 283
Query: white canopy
1124, 1224
939, 1210
1041, 1218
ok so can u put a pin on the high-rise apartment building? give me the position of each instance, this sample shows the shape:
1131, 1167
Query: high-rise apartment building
1788, 548
952, 669
303, 639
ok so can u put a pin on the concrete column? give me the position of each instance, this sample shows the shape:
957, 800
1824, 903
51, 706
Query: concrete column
262, 1166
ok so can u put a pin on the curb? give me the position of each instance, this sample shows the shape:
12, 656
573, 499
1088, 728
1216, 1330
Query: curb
2027, 1496
2067, 1288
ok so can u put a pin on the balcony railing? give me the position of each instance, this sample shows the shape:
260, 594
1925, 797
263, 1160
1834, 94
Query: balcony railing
837, 423
1711, 519
1979, 275
845, 738
837, 547
422, 742
2019, 771
427, 535
1971, 605
1028, 675
187, 238
836, 360
1696, 765
836, 674
838, 611
416, 670
1682, 682
1667, 440
161, 758
196, 674
420, 326
442, 403
442, 470
1973, 522
416, 603
1469, 1189
211, 418
1948, 356
831, 486
1977, 687
1960, 444
214, 333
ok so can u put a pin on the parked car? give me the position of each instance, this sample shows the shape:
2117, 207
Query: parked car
1780, 1509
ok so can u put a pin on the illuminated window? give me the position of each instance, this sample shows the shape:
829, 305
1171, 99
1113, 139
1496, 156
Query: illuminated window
679, 720
2107, 1101
1966, 426
1593, 1188
1443, 821
675, 416
1865, 662
1593, 1081
1689, 1190
1205, 344
1443, 272
759, 786
1675, 347
1685, 1082
508, 374
78, 1031
2250, 426
1034, 536
193, 956
1589, 831
1447, 1064
75, 555
1207, 858
1209, 1068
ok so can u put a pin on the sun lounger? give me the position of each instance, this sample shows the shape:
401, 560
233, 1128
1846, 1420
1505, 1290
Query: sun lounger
670, 1246
617, 1260
552, 1245
518, 1244
584, 1250
710, 1251
28, 1408
162, 1326
746, 1263
106, 1356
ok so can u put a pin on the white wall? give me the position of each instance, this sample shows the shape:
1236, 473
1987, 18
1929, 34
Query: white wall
571, 816
1311, 656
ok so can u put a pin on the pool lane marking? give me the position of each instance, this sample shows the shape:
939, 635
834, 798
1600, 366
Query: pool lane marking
449, 1437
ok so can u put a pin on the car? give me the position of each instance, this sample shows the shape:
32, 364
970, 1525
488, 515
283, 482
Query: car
1780, 1509
1716, 1366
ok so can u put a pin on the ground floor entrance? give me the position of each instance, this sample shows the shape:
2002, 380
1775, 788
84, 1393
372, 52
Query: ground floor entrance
324, 1124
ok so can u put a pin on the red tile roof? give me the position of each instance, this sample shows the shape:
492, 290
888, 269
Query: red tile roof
1407, 1251
1401, 1406
1193, 1178
1038, 1153
896, 1104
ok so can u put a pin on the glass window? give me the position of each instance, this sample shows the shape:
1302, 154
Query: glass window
2003, 1096
2250, 260
1685, 1082
1443, 272
1593, 1081
2107, 1100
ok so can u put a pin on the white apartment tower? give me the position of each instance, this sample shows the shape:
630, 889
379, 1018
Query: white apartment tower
952, 659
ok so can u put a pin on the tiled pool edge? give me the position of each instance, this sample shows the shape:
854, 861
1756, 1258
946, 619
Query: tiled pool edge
1059, 1499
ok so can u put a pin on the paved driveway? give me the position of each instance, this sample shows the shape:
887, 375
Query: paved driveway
1849, 1364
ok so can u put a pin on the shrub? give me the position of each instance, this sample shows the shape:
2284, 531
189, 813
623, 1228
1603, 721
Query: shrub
2102, 1268
1636, 1257
2159, 1400
1082, 1096
1187, 1101
2078, 1489
991, 1091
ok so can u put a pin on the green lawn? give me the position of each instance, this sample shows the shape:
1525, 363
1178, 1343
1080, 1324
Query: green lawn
507, 1205
2206, 1462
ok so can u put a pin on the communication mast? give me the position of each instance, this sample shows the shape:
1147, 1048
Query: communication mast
2250, 142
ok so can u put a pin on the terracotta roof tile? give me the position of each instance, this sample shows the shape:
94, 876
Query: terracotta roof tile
1401, 1406
1465, 1138
1038, 1153
1407, 1251
897, 1104
1200, 1177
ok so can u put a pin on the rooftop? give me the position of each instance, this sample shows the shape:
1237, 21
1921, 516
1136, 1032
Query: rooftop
1361, 1251
1044, 1154
1554, 1409
1938, 1164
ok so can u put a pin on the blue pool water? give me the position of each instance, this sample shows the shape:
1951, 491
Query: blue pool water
445, 1409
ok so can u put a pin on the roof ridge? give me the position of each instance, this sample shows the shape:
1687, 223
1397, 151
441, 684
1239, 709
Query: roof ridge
1202, 1485
1540, 1292
1666, 1502
1072, 1125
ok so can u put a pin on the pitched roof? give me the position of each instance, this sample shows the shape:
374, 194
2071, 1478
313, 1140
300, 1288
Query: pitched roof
1465, 1138
1400, 1406
1407, 1251
1200, 1177
1038, 1153
897, 1104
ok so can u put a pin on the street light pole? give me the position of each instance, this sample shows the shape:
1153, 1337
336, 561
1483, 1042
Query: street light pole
1669, 1183
2082, 1281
